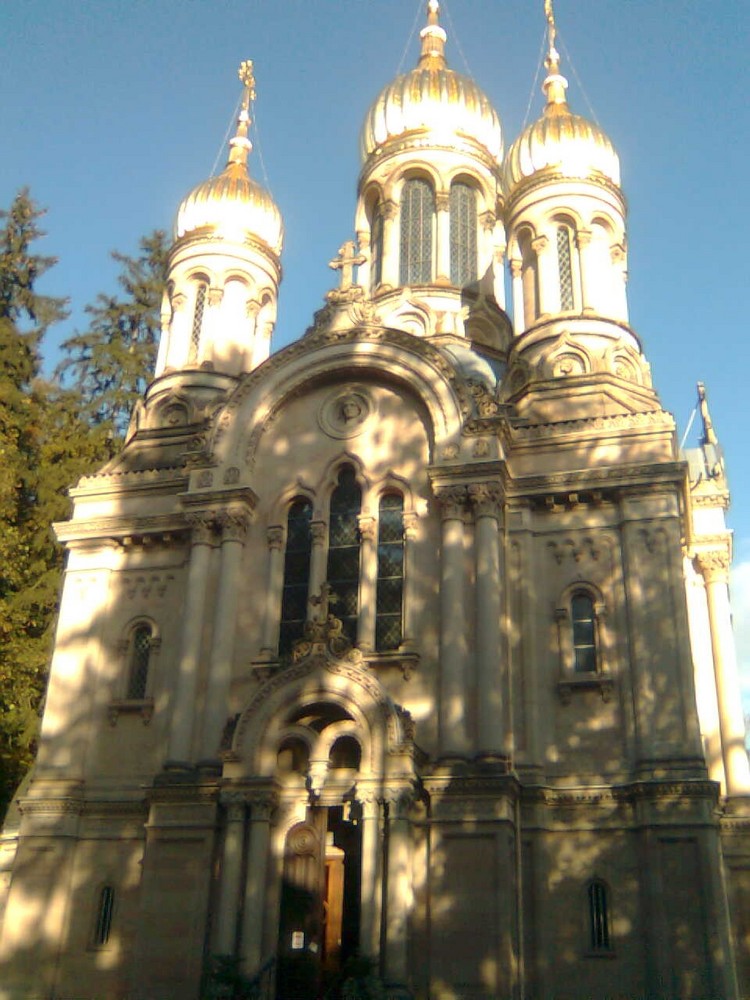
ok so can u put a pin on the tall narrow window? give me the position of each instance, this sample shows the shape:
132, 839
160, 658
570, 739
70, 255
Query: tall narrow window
198, 311
104, 911
565, 267
376, 247
343, 551
417, 228
140, 648
296, 574
584, 633
463, 210
598, 907
390, 591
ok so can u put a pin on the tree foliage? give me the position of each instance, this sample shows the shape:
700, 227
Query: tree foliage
108, 364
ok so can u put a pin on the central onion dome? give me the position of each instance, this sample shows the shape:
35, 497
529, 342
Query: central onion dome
232, 206
432, 99
560, 143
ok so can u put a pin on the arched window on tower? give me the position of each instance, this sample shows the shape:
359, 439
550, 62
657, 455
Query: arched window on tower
583, 624
376, 247
199, 310
565, 268
296, 574
343, 550
140, 647
390, 589
463, 213
598, 916
417, 232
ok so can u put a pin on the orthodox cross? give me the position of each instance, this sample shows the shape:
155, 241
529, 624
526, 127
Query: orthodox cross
550, 14
247, 79
345, 263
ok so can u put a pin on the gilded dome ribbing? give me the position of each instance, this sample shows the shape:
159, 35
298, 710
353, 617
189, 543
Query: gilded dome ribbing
233, 206
432, 103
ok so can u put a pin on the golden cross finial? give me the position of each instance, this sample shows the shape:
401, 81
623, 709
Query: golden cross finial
433, 10
247, 79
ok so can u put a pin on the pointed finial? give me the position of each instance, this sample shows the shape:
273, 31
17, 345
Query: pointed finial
555, 85
709, 434
433, 36
240, 144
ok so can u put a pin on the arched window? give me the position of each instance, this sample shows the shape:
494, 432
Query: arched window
390, 589
417, 228
296, 574
565, 267
199, 309
343, 551
345, 752
598, 916
103, 917
140, 647
376, 247
463, 212
583, 623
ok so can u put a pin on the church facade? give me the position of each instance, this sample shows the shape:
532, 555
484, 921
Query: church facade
411, 641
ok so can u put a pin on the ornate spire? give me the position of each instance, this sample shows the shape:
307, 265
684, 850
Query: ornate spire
555, 84
240, 144
433, 37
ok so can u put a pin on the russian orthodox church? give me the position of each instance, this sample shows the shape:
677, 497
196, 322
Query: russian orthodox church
411, 640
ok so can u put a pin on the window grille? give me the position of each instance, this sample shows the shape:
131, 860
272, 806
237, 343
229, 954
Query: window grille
296, 574
376, 248
343, 551
565, 268
390, 589
599, 937
200, 308
417, 228
103, 924
141, 645
584, 633
463, 246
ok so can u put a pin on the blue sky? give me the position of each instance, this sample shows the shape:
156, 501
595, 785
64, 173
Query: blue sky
112, 110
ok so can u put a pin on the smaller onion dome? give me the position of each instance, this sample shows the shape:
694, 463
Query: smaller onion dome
432, 99
231, 205
560, 142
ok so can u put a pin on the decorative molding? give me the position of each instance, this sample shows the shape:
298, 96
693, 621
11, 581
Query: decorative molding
451, 500
603, 683
130, 706
485, 498
275, 537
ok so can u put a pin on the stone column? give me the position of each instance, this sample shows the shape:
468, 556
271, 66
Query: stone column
364, 270
251, 949
485, 498
211, 347
714, 566
391, 244
371, 885
516, 273
318, 556
619, 259
408, 640
399, 902
234, 522
186, 686
275, 585
179, 333
548, 280
486, 253
587, 270
443, 238
225, 941
368, 582
452, 705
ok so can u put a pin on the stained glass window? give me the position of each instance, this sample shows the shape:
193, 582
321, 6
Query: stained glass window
376, 248
390, 590
141, 644
584, 634
200, 308
463, 212
599, 939
296, 574
417, 228
565, 267
343, 551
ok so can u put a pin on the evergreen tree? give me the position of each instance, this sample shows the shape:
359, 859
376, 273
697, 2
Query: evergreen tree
26, 600
109, 364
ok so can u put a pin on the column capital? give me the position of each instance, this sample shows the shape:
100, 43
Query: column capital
485, 498
488, 221
399, 799
234, 522
389, 208
713, 565
540, 244
262, 805
203, 526
318, 531
178, 301
215, 295
234, 803
367, 527
442, 201
516, 267
583, 238
275, 537
451, 500
410, 518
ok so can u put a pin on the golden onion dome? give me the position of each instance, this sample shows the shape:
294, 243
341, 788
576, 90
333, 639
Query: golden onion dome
432, 99
560, 142
231, 205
